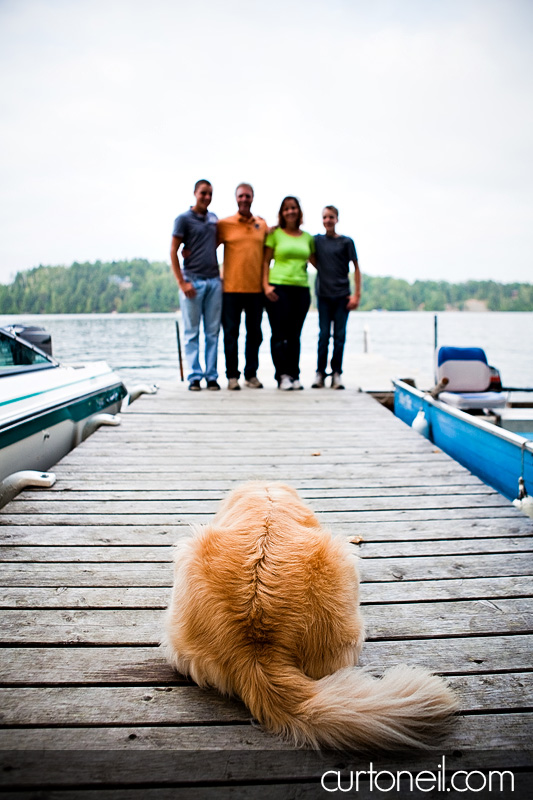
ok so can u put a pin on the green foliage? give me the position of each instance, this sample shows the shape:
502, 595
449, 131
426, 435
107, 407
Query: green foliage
395, 294
137, 285
141, 285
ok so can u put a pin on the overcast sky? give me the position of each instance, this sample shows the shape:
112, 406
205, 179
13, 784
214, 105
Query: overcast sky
414, 117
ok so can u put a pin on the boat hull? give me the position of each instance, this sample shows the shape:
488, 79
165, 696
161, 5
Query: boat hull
40, 426
497, 456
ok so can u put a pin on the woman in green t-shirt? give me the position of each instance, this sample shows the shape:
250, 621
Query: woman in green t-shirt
286, 290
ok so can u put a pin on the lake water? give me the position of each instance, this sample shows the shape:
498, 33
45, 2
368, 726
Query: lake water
142, 347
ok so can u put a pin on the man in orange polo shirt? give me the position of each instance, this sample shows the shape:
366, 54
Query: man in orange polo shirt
243, 236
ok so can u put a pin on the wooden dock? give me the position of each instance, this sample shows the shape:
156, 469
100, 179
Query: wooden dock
87, 701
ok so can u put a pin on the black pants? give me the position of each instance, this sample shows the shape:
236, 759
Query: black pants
287, 316
233, 304
331, 311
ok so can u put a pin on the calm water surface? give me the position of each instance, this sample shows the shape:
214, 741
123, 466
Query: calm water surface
142, 347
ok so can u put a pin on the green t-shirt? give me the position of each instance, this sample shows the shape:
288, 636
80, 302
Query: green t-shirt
291, 254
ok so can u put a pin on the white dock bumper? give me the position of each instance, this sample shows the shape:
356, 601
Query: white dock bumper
18, 481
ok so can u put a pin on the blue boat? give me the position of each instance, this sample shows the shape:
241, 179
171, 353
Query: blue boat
481, 429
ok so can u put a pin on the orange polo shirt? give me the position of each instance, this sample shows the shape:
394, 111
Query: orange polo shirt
243, 241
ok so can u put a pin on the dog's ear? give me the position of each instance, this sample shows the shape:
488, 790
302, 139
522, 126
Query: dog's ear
291, 490
186, 542
213, 540
278, 489
309, 520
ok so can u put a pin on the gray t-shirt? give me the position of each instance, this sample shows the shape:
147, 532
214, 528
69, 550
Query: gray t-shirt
199, 234
333, 256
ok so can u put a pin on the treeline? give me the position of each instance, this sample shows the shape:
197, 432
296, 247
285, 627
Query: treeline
100, 287
140, 285
395, 294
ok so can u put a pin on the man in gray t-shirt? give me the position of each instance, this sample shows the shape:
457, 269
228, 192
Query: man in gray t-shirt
200, 285
333, 255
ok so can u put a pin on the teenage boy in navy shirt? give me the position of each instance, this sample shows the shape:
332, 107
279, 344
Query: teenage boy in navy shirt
333, 254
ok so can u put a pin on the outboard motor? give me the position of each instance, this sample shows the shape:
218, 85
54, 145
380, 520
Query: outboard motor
35, 335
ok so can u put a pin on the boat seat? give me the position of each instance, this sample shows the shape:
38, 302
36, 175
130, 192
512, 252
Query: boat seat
469, 377
474, 400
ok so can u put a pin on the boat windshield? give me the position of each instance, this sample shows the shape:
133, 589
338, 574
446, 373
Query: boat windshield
17, 356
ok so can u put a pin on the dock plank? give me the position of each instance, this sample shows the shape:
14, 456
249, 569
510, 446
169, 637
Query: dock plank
339, 494
160, 573
163, 552
496, 731
415, 515
75, 664
142, 626
155, 535
171, 705
157, 597
337, 506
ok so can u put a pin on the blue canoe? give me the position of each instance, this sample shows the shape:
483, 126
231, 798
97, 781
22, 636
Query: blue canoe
496, 455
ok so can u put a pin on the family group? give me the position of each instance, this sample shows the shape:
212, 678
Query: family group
262, 268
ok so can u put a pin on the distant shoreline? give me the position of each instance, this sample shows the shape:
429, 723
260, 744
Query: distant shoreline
142, 346
139, 285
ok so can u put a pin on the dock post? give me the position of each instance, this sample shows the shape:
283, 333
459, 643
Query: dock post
180, 357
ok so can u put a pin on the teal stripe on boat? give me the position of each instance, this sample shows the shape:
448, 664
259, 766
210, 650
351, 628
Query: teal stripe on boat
52, 389
82, 408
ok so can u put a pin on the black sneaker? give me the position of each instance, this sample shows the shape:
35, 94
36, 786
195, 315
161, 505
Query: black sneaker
194, 386
213, 386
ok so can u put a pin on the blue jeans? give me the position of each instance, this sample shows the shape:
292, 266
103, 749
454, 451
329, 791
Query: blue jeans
331, 311
206, 306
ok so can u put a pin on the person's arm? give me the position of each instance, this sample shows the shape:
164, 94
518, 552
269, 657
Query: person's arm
186, 287
355, 298
270, 292
312, 252
220, 240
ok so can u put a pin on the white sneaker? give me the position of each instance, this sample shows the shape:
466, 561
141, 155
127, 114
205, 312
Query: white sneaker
233, 384
296, 384
286, 384
318, 383
336, 381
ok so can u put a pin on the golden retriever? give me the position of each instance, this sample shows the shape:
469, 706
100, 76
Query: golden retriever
265, 607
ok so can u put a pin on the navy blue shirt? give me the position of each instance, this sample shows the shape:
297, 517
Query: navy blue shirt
199, 234
333, 256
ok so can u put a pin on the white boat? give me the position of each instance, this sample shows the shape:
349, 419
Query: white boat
46, 409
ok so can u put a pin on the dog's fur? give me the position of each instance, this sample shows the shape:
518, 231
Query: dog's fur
265, 607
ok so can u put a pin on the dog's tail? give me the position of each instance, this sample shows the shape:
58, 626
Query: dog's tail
349, 710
